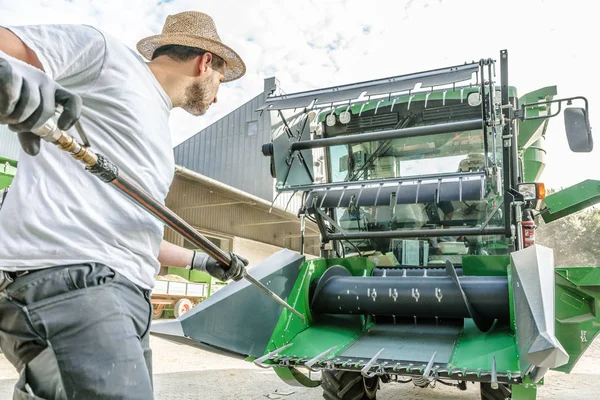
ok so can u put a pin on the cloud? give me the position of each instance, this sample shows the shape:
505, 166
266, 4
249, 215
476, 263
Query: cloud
310, 44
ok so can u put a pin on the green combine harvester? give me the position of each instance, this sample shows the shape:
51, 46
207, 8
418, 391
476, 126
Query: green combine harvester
425, 188
8, 169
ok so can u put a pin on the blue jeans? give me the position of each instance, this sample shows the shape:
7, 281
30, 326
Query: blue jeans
77, 332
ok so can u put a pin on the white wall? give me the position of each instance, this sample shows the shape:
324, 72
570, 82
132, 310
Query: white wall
255, 252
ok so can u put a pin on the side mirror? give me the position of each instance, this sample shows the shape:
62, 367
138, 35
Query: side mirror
579, 133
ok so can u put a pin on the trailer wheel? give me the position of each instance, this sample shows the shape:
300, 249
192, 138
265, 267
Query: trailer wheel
487, 393
158, 310
182, 306
346, 385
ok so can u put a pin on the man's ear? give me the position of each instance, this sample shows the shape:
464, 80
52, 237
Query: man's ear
205, 62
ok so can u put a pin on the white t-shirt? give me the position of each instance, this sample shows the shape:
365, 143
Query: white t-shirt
56, 212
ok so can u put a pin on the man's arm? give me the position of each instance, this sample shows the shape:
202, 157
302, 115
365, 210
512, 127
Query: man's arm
28, 96
15, 47
174, 256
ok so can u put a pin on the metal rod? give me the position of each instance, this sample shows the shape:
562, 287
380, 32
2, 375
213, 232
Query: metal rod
365, 371
373, 182
318, 358
484, 117
416, 233
494, 377
514, 151
261, 360
506, 142
427, 373
262, 287
105, 170
143, 199
389, 134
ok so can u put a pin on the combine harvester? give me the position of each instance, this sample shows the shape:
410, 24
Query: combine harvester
425, 189
8, 164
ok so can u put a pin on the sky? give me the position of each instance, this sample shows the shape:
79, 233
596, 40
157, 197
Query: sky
312, 44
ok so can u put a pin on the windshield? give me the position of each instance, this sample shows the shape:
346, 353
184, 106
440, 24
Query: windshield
402, 158
448, 165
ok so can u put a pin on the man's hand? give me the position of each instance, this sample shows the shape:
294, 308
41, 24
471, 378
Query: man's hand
28, 98
203, 262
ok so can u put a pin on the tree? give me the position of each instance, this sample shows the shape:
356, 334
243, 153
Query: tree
575, 238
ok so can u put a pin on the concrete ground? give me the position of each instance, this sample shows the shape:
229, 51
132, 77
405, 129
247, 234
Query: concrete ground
183, 372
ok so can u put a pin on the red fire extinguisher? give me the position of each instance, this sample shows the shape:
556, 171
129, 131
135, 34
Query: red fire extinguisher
528, 228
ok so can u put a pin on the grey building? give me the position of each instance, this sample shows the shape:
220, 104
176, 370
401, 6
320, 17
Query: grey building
229, 151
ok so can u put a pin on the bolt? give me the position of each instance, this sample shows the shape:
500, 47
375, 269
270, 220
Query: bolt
415, 294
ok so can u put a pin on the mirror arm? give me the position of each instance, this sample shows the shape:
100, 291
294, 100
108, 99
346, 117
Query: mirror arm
520, 114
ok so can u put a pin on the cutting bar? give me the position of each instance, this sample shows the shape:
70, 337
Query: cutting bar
105, 170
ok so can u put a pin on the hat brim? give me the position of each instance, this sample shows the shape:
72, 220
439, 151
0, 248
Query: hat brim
234, 65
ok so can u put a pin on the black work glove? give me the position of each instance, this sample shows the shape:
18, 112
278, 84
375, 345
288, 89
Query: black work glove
203, 262
28, 98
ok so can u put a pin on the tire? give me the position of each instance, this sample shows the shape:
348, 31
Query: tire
346, 385
157, 311
487, 393
181, 307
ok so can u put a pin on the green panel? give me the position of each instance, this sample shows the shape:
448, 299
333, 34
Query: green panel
314, 337
577, 307
371, 105
293, 377
9, 161
7, 173
184, 273
531, 131
572, 199
325, 335
289, 325
200, 277
521, 392
485, 265
475, 349
534, 159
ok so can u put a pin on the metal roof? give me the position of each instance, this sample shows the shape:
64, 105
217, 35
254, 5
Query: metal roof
216, 208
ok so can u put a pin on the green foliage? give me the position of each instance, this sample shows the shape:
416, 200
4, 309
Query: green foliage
575, 238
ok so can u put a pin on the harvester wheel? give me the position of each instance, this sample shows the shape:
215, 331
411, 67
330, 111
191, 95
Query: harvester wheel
346, 385
487, 393
182, 306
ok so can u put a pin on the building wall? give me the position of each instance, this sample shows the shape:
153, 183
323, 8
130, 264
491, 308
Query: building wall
255, 252
229, 151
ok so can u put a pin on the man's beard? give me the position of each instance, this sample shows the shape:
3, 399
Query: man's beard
196, 102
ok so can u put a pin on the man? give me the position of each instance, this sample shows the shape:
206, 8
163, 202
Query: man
78, 259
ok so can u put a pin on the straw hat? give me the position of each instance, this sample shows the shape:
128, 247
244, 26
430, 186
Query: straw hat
194, 29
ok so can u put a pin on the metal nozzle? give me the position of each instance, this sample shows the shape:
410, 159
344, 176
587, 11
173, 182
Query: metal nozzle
50, 133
